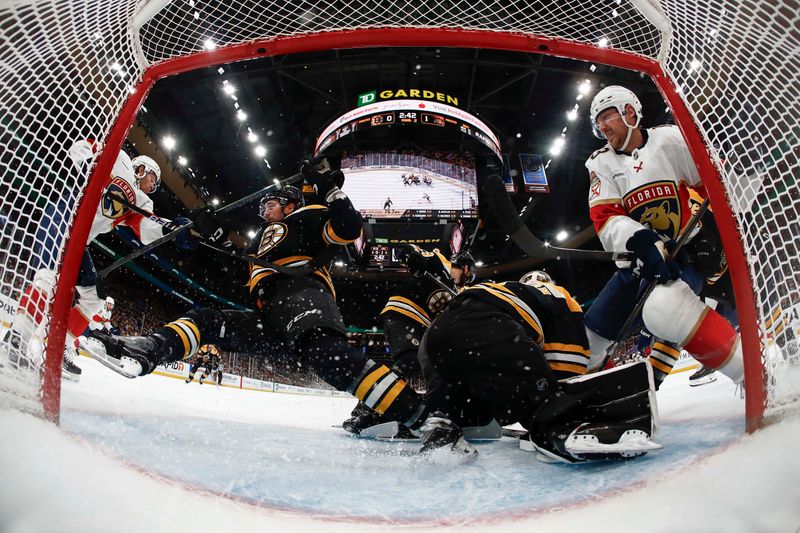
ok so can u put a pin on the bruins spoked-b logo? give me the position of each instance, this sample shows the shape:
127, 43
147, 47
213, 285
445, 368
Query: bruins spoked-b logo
112, 208
438, 300
273, 234
656, 205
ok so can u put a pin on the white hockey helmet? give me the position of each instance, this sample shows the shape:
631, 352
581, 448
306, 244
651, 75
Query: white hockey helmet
149, 166
110, 300
535, 276
617, 97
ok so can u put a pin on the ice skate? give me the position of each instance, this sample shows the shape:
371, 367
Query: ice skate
366, 423
439, 432
69, 370
128, 356
702, 376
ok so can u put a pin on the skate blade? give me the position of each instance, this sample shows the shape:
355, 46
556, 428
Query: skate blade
384, 431
632, 441
491, 431
70, 377
124, 367
705, 380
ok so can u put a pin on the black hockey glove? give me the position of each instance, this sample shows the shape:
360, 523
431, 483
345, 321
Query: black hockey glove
327, 183
207, 224
185, 240
650, 263
414, 260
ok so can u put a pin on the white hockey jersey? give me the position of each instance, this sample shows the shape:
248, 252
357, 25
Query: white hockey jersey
101, 320
649, 188
122, 181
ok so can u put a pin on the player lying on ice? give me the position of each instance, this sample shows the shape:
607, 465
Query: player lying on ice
296, 311
500, 350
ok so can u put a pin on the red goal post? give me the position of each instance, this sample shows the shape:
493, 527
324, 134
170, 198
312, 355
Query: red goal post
92, 68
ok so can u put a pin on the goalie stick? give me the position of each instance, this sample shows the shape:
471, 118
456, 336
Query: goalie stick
172, 234
510, 222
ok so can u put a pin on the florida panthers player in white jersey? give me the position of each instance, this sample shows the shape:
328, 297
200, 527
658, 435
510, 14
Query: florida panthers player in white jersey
638, 200
130, 179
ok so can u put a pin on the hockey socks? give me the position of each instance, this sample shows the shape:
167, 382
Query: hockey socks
663, 356
715, 344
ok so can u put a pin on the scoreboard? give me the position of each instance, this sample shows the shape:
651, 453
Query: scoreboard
407, 112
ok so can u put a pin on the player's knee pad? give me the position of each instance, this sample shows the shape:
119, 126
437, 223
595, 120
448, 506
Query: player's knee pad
672, 311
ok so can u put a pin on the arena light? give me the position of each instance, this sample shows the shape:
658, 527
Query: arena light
339, 263
603, 42
221, 71
557, 146
169, 142
572, 114
260, 151
562, 236
694, 65
585, 87
182, 161
251, 234
241, 116
228, 88
209, 44
252, 137
215, 201
478, 263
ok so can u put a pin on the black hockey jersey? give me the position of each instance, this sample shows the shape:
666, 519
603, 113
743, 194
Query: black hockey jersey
421, 299
553, 319
300, 237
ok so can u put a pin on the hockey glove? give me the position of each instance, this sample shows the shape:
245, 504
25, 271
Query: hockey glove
327, 183
185, 240
650, 263
410, 257
207, 224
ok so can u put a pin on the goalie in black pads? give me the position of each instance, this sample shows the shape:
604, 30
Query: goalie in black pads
502, 347
297, 312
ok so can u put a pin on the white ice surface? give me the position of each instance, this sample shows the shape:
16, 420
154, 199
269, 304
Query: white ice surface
156, 454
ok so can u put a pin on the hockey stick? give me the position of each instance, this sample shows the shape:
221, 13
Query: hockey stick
441, 284
171, 235
510, 222
682, 240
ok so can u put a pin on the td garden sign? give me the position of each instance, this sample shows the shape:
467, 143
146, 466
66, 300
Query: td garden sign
389, 94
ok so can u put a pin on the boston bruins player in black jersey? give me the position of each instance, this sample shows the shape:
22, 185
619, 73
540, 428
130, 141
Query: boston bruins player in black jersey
503, 347
408, 313
296, 311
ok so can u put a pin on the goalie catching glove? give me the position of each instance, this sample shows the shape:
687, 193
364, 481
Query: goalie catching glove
327, 183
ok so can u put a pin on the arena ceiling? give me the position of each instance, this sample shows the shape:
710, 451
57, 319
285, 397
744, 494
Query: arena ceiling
286, 101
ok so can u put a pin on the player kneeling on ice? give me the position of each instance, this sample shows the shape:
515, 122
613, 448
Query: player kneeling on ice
502, 347
294, 310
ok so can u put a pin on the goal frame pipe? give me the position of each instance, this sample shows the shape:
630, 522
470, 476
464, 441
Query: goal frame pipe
407, 37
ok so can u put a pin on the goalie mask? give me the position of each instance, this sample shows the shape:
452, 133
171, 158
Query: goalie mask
149, 166
284, 196
535, 276
616, 97
465, 260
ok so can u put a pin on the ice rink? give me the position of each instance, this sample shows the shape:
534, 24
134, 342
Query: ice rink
370, 187
156, 454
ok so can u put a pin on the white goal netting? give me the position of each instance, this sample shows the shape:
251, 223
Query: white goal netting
69, 66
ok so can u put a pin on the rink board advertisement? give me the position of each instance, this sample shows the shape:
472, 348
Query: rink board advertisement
180, 370
8, 308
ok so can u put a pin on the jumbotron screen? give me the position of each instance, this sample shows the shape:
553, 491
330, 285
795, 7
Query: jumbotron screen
418, 185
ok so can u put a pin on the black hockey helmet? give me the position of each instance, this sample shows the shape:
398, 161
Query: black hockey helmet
285, 195
465, 259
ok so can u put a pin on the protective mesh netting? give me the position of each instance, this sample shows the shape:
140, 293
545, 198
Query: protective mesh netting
68, 66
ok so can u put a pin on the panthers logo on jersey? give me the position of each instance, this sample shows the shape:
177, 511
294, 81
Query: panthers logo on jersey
657, 206
273, 234
114, 209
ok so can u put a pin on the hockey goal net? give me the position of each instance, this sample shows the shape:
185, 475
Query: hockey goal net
74, 69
